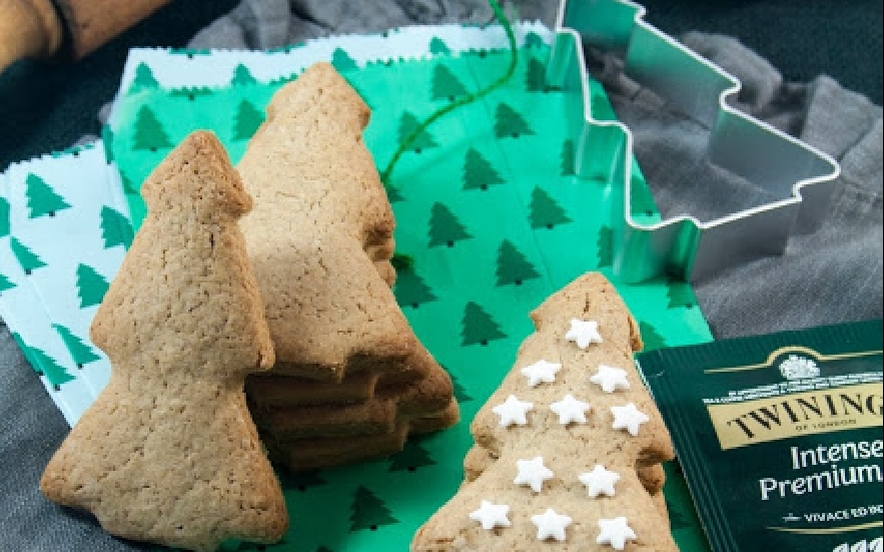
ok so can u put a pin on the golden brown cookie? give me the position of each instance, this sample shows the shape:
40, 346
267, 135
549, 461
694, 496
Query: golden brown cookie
168, 452
559, 441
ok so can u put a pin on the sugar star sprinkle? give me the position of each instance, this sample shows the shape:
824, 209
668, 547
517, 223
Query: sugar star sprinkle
570, 410
491, 515
551, 525
599, 481
512, 411
541, 372
610, 379
584, 332
532, 473
628, 417
615, 532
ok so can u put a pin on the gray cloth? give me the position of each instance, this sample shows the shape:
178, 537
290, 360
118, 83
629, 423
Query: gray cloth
831, 275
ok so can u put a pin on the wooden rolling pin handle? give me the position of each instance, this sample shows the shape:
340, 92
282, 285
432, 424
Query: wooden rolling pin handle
28, 29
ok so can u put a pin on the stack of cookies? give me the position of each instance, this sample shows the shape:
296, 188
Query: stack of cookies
351, 379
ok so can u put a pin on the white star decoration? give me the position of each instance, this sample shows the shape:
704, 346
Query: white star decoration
512, 411
628, 417
599, 481
615, 532
532, 473
610, 379
551, 525
491, 515
541, 372
583, 332
570, 410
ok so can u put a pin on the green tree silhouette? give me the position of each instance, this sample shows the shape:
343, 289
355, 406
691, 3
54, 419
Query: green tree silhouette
411, 290
445, 85
300, 481
411, 457
605, 244
680, 294
508, 123
368, 511
567, 157
478, 326
544, 212
47, 366
460, 392
191, 92
247, 120
149, 133
28, 260
393, 194
128, 185
535, 75
445, 228
42, 199
650, 337
5, 283
512, 266
533, 40
91, 286
342, 60
81, 353
408, 126
144, 79
242, 76
478, 173
438, 46
4, 217
115, 228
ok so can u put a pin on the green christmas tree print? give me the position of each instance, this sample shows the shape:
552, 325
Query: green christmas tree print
115, 228
42, 199
393, 194
149, 133
342, 61
144, 79
300, 481
438, 46
650, 337
247, 120
368, 511
91, 286
191, 92
5, 283
445, 228
533, 40
47, 366
567, 156
409, 134
478, 326
28, 260
445, 85
81, 352
411, 457
460, 392
605, 245
478, 174
512, 266
680, 294
543, 210
508, 123
128, 185
242, 76
535, 75
4, 217
411, 290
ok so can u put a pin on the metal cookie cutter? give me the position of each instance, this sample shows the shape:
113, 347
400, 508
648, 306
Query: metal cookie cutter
770, 159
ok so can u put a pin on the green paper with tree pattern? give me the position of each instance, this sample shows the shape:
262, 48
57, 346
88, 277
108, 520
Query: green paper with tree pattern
490, 221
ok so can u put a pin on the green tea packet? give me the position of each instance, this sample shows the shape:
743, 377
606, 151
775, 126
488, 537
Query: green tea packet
779, 436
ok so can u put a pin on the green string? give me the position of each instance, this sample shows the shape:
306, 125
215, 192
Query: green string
469, 98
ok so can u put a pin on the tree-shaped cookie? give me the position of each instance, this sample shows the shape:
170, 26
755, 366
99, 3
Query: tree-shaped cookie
168, 452
568, 447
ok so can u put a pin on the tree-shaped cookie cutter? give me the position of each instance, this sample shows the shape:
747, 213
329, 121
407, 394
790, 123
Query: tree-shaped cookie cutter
800, 175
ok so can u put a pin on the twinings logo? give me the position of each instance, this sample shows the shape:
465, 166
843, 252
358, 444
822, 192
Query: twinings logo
746, 423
